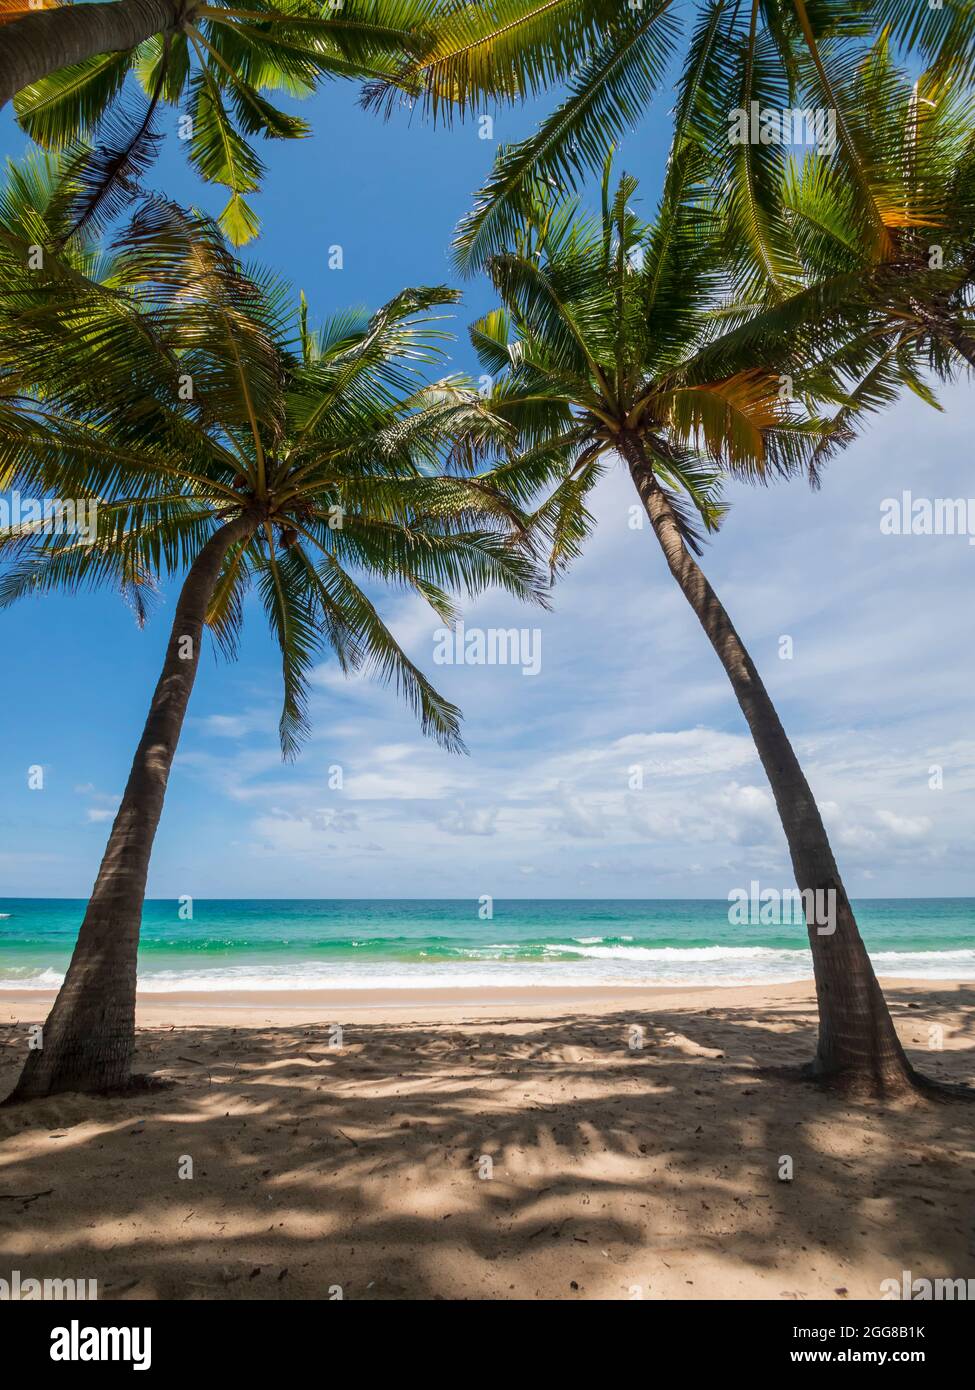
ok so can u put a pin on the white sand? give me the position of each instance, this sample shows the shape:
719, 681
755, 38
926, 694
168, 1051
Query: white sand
615, 1171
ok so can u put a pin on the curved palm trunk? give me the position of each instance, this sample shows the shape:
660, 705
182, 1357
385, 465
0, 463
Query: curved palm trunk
41, 42
89, 1035
858, 1046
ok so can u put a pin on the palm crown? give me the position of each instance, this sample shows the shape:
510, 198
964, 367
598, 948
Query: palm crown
604, 344
920, 138
215, 67
213, 400
612, 59
883, 320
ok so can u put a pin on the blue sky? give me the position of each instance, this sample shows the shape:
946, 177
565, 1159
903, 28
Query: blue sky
877, 691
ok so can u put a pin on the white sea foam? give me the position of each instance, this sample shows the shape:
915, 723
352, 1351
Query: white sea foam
32, 979
597, 940
593, 965
673, 953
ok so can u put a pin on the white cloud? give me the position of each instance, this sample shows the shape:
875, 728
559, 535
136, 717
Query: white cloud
226, 725
470, 820
287, 835
905, 827
687, 753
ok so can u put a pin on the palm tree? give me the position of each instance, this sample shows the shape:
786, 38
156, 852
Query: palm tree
613, 58
212, 62
225, 440
602, 350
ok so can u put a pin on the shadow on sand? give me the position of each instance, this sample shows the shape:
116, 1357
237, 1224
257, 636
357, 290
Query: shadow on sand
615, 1169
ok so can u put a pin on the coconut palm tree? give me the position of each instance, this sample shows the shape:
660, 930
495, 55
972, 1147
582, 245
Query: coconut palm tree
603, 351
225, 442
611, 59
212, 63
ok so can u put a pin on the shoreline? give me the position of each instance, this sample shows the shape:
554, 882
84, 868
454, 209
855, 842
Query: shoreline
450, 998
407, 996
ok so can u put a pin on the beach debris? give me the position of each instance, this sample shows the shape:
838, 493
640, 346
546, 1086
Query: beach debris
689, 1046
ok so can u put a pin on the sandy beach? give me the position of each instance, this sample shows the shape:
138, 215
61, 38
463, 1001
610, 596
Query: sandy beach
491, 1144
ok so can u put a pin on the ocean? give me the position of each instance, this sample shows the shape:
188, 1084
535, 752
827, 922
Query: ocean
388, 943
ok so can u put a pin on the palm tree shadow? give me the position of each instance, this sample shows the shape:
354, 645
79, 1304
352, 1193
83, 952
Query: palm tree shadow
552, 1158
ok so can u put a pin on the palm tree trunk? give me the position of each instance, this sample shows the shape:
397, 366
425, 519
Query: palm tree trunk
858, 1045
41, 42
89, 1036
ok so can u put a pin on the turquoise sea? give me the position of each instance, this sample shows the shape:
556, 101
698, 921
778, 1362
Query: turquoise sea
318, 944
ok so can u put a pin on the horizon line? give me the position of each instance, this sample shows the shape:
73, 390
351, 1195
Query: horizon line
175, 897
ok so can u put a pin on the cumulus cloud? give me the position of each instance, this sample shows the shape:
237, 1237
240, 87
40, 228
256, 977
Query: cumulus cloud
905, 827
